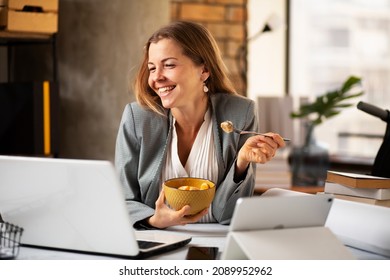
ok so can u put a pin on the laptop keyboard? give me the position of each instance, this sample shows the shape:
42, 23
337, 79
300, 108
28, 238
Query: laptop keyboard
142, 244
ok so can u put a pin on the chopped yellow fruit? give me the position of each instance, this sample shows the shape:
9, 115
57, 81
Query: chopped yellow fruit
227, 126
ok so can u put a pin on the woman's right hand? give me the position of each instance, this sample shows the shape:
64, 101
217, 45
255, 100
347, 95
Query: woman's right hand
259, 149
165, 217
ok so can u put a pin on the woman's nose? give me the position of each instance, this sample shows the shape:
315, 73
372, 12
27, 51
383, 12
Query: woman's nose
158, 74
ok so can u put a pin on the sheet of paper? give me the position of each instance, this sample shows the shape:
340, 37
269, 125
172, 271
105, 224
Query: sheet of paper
210, 229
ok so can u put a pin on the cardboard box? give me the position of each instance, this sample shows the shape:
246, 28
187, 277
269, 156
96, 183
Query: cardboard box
34, 16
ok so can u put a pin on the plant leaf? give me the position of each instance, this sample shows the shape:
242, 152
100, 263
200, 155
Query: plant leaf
349, 83
329, 104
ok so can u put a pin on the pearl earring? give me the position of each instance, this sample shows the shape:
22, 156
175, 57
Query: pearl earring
205, 88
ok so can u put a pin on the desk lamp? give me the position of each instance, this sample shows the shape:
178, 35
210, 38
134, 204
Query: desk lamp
381, 167
273, 22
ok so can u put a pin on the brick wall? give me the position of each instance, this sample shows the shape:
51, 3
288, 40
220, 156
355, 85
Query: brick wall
226, 19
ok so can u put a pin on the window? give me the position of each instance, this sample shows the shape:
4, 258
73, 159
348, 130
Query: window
331, 40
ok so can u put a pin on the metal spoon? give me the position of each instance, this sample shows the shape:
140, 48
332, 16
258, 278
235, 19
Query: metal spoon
228, 127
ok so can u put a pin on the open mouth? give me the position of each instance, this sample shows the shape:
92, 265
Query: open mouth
165, 90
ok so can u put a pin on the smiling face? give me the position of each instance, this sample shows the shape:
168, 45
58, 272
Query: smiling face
173, 76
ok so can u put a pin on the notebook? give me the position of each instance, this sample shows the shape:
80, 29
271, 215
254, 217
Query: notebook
75, 205
281, 226
362, 226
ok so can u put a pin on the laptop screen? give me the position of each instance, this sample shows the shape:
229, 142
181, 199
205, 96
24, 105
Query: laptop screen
277, 212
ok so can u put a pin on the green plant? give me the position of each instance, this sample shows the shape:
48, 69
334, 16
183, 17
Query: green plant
328, 105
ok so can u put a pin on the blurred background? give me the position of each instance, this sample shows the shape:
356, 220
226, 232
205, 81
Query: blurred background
277, 51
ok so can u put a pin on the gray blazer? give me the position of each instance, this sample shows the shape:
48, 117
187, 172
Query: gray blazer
141, 149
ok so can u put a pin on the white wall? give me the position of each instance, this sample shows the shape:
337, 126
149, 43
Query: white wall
266, 54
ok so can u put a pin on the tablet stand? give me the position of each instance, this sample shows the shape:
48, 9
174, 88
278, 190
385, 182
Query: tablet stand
309, 243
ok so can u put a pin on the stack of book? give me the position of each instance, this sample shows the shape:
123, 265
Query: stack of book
358, 187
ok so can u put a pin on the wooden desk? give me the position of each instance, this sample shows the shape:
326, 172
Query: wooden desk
310, 190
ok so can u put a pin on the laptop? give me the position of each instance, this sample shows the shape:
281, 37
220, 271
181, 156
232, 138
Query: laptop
278, 212
357, 225
279, 225
75, 205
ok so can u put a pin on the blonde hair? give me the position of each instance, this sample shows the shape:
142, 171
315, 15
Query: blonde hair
199, 45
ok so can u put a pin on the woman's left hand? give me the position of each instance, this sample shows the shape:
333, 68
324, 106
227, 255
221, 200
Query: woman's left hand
165, 217
259, 149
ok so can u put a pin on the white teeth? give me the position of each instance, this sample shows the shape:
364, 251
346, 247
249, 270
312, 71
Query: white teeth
164, 89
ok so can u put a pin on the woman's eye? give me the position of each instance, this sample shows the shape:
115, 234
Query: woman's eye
151, 69
168, 65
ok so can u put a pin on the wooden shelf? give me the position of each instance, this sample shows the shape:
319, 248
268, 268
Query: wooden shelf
277, 174
36, 121
354, 164
6, 36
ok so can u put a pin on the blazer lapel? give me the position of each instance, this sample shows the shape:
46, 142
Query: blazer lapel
155, 184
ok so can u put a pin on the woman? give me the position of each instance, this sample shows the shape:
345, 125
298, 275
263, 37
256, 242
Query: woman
173, 130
